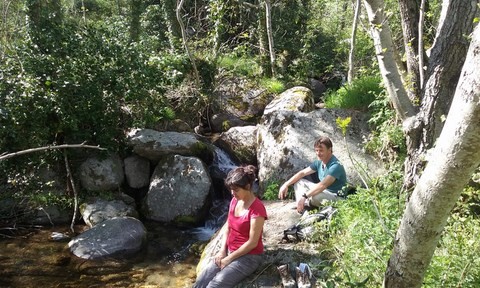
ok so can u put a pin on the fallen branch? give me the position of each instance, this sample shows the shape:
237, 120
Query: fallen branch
75, 194
11, 155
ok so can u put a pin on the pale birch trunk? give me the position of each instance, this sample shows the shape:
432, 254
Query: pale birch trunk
185, 44
382, 38
268, 16
351, 56
454, 159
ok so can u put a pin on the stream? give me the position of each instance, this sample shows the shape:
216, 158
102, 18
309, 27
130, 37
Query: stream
30, 258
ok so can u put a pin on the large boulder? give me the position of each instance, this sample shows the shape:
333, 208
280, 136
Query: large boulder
178, 191
294, 99
102, 174
286, 138
98, 210
223, 121
117, 237
241, 100
154, 145
240, 142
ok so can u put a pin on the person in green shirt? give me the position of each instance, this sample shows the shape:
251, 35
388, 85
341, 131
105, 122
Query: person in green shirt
330, 172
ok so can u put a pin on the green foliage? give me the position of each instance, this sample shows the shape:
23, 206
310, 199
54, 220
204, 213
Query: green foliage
358, 95
387, 139
241, 66
273, 86
358, 240
455, 262
343, 124
271, 191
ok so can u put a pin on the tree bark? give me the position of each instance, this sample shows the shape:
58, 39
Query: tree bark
409, 12
446, 61
455, 158
382, 38
351, 56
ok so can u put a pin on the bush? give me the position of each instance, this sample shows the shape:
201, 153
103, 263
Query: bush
357, 95
273, 86
240, 65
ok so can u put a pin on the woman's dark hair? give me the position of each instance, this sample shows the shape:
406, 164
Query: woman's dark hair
242, 177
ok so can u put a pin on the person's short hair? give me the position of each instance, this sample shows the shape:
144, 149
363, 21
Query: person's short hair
325, 141
242, 177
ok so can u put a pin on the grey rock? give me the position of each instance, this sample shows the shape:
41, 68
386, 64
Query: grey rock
98, 174
120, 237
178, 190
137, 171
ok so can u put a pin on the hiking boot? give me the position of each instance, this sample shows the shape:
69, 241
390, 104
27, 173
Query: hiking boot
309, 206
287, 279
303, 278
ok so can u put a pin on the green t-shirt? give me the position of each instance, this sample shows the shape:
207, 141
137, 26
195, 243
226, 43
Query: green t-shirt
333, 168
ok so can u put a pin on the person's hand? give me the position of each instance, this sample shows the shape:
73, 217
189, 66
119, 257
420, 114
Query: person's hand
219, 257
301, 204
224, 263
283, 192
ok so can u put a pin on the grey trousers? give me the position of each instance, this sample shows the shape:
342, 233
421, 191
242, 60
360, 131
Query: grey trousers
231, 275
302, 186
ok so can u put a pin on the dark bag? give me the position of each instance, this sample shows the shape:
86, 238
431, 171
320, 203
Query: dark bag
347, 190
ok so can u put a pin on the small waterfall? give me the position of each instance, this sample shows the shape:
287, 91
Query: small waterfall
219, 169
222, 161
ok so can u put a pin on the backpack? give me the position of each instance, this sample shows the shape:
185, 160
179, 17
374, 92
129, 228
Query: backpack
305, 227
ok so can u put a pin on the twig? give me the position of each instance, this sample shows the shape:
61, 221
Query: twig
260, 273
75, 195
10, 155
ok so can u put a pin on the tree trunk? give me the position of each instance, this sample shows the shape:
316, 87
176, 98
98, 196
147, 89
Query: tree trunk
268, 16
351, 56
136, 8
409, 12
185, 44
446, 61
454, 159
382, 38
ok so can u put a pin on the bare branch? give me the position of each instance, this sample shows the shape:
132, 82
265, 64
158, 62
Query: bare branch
11, 155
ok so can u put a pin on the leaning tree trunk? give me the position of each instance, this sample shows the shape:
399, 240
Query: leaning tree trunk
446, 61
455, 158
351, 56
382, 38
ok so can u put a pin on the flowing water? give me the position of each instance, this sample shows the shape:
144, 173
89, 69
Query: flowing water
29, 258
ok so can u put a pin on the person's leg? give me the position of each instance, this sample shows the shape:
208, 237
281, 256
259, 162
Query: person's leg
207, 275
236, 271
302, 186
325, 195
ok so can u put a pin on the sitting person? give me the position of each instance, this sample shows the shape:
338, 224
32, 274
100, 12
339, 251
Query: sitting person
331, 174
242, 247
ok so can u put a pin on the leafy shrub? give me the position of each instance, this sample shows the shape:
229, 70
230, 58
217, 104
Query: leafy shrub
387, 139
358, 241
271, 191
273, 86
358, 95
240, 65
